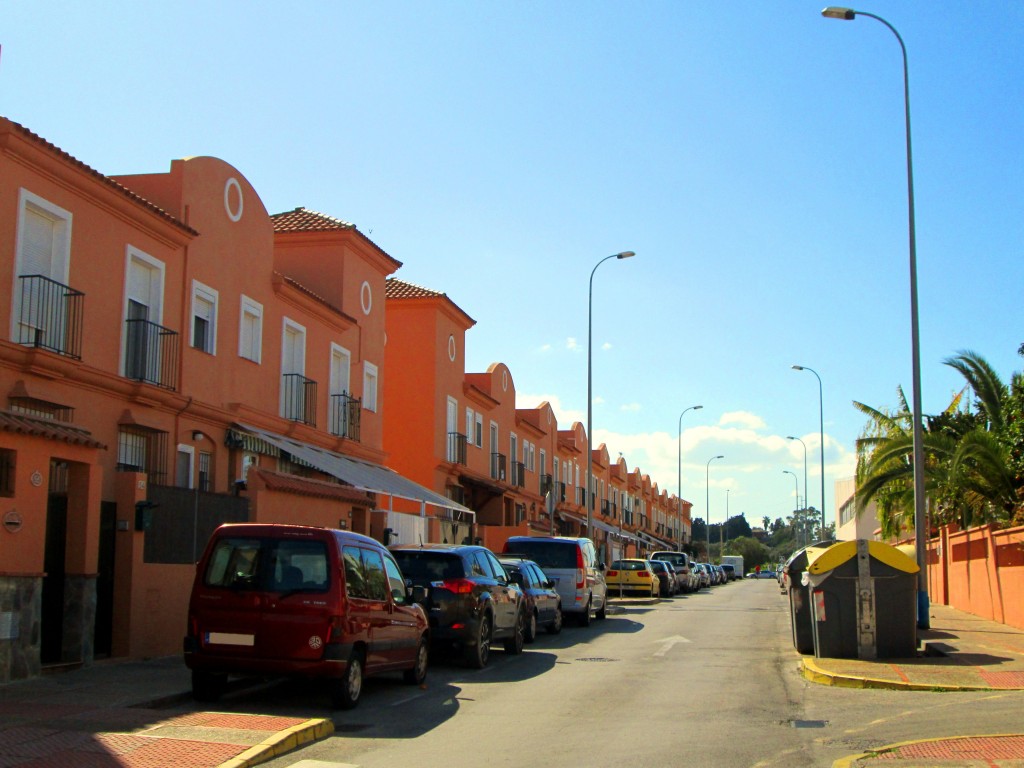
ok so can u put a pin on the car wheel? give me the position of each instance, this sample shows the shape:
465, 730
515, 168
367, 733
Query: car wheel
478, 654
416, 674
585, 616
603, 613
556, 626
346, 690
207, 686
531, 628
514, 644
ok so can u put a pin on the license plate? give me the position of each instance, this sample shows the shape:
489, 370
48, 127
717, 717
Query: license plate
229, 638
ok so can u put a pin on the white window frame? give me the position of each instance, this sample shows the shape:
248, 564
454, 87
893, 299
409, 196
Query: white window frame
254, 349
60, 264
470, 424
479, 426
210, 295
190, 451
135, 255
370, 381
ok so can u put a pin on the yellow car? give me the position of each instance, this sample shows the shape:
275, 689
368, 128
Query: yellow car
632, 574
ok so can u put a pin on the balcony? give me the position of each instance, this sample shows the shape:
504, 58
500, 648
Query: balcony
50, 316
456, 448
345, 412
298, 398
581, 496
151, 353
498, 466
608, 508
546, 484
518, 474
559, 491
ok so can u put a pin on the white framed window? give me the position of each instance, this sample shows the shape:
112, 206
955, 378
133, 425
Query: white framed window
250, 330
479, 430
43, 253
342, 406
293, 371
370, 378
248, 460
494, 437
183, 474
204, 317
513, 447
141, 348
470, 425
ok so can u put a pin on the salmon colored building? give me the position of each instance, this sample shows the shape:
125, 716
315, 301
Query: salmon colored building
462, 435
172, 357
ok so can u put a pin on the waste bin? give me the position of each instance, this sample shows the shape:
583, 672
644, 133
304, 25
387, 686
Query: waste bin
799, 600
863, 597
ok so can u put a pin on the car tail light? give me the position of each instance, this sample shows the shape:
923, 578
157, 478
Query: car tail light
458, 586
643, 574
581, 571
193, 625
613, 573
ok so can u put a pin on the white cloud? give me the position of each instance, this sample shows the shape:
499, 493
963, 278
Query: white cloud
572, 345
606, 346
749, 420
545, 348
630, 407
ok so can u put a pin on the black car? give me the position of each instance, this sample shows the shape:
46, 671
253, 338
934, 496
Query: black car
666, 577
543, 603
470, 600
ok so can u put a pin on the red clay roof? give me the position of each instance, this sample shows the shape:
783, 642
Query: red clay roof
302, 486
399, 289
52, 430
305, 220
26, 133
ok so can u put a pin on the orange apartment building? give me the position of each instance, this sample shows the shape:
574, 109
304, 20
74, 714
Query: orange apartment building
174, 357
461, 434
171, 357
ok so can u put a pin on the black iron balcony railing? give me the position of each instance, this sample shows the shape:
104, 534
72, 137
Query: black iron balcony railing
345, 414
608, 508
50, 316
456, 447
298, 398
518, 474
546, 484
151, 353
498, 470
581, 495
559, 491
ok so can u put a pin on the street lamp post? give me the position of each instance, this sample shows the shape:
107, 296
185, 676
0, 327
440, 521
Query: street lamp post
721, 532
707, 501
796, 490
821, 422
805, 467
590, 394
679, 478
923, 622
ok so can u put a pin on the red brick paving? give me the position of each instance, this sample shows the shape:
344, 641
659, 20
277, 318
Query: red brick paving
972, 748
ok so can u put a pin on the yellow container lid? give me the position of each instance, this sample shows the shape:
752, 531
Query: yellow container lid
823, 559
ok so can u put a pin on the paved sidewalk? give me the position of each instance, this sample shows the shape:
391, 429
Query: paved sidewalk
962, 653
119, 713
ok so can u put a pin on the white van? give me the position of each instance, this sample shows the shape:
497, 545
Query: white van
572, 564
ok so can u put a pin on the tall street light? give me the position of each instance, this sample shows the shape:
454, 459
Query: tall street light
590, 391
805, 467
923, 622
821, 422
707, 501
679, 493
721, 532
796, 489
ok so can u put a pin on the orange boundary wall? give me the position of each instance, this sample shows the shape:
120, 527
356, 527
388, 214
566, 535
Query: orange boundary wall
979, 570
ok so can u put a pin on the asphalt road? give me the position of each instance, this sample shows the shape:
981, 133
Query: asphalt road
704, 680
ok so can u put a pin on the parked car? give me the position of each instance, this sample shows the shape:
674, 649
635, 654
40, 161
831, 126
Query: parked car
666, 578
719, 573
470, 600
633, 574
730, 572
572, 564
687, 581
543, 604
289, 600
704, 572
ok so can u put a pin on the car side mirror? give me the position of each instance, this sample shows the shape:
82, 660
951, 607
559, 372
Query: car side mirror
418, 594
549, 585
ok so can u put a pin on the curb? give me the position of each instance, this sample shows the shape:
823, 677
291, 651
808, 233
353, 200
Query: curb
816, 674
850, 760
281, 743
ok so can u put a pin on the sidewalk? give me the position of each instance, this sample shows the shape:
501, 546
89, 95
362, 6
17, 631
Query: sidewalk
962, 652
119, 713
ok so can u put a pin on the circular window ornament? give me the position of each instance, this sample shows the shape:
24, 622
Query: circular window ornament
504, 381
233, 203
451, 348
366, 297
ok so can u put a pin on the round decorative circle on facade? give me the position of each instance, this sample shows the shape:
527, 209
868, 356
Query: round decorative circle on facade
504, 381
451, 348
233, 203
366, 297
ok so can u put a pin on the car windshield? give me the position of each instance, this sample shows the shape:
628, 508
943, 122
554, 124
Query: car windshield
423, 565
547, 554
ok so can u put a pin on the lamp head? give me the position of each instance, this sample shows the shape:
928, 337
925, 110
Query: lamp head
697, 407
790, 437
718, 457
798, 367
835, 12
625, 255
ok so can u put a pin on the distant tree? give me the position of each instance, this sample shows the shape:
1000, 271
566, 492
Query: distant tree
766, 522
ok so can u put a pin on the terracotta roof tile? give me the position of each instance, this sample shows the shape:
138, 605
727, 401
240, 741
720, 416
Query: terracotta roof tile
52, 430
305, 220
25, 132
399, 289
302, 486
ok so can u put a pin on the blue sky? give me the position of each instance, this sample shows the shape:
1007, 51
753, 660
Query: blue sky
750, 153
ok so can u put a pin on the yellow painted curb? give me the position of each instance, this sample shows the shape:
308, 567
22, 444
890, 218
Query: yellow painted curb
816, 674
282, 742
849, 760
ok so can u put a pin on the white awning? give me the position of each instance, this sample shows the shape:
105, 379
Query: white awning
362, 475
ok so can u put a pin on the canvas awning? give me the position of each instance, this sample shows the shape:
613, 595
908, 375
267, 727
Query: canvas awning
362, 475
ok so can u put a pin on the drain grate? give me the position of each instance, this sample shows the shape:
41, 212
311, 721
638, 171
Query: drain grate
808, 723
596, 658
349, 727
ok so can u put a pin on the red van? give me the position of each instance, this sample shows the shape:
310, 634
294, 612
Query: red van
290, 600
